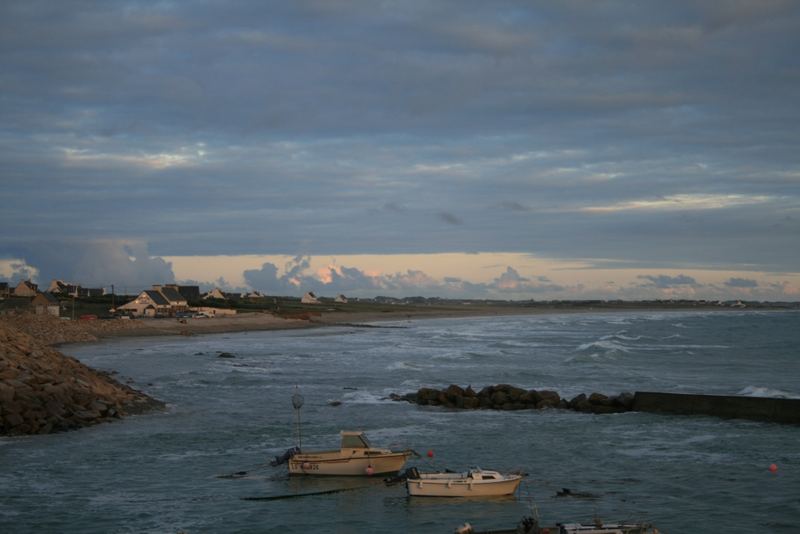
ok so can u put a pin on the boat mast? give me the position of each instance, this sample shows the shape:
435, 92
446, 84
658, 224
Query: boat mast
297, 402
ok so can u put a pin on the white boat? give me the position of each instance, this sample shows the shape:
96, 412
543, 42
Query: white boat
355, 457
607, 528
474, 483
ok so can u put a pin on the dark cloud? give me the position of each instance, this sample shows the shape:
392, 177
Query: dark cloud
664, 281
347, 127
126, 264
449, 218
741, 283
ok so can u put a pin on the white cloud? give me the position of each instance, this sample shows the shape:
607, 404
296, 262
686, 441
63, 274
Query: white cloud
683, 202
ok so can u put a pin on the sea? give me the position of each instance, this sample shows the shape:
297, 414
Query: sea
202, 465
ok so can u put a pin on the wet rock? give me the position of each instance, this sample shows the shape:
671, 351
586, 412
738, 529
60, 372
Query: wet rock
225, 355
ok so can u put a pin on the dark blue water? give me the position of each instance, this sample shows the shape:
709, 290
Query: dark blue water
160, 472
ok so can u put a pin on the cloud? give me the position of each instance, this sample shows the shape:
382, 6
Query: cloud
664, 281
563, 129
15, 271
744, 283
683, 202
126, 264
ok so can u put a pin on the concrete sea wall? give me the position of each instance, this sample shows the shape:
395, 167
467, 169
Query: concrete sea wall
728, 406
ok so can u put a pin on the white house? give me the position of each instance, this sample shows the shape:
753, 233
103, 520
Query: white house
341, 299
309, 298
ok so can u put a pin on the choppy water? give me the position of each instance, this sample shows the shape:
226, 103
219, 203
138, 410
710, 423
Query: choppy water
159, 473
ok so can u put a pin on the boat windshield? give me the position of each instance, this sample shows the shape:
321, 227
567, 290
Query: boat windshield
354, 441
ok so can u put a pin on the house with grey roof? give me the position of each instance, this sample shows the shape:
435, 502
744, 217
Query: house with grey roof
170, 292
149, 303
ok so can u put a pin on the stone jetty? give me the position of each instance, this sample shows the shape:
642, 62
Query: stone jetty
508, 397
43, 391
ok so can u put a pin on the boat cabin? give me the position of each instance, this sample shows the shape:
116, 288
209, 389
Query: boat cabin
354, 440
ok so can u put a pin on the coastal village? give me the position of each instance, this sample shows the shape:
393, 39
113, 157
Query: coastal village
73, 301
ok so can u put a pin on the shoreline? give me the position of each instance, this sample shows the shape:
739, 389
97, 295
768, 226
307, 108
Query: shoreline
266, 321
58, 332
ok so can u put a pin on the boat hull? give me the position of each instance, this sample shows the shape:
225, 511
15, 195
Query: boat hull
326, 465
462, 488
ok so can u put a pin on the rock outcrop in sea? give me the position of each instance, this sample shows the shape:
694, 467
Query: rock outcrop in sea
43, 391
508, 397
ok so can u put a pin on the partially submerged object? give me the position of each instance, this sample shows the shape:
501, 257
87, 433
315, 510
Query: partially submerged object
355, 457
530, 525
473, 483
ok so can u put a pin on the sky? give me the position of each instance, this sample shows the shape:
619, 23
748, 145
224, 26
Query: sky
464, 149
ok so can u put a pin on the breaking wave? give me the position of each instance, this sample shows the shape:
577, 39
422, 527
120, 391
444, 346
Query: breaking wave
756, 391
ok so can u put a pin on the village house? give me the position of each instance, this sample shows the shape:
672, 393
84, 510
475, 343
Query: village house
149, 303
60, 287
215, 293
26, 288
161, 301
341, 299
177, 302
309, 298
46, 304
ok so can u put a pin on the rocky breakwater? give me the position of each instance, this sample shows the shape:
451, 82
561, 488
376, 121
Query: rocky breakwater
43, 391
508, 397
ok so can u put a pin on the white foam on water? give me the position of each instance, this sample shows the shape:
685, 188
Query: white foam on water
605, 345
620, 336
365, 397
756, 391
403, 366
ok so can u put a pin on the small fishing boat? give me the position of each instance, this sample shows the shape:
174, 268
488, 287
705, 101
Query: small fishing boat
598, 527
355, 457
474, 483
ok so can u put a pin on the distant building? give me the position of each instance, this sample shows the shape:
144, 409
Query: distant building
215, 293
341, 299
190, 293
46, 304
177, 302
149, 303
309, 298
84, 292
26, 288
57, 286
253, 295
60, 287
